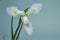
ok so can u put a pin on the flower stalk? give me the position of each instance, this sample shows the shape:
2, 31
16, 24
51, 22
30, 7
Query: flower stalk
12, 28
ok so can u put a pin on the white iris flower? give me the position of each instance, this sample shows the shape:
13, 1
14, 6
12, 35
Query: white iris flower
35, 8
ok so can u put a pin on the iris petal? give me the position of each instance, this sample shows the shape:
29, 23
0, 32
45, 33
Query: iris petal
29, 28
12, 11
35, 8
27, 25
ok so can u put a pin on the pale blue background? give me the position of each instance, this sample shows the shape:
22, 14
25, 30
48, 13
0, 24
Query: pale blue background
46, 23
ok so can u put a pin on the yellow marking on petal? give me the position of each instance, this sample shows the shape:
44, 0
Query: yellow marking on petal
15, 11
27, 24
33, 9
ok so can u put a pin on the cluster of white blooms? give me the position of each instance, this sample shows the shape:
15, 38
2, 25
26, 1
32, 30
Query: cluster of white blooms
34, 9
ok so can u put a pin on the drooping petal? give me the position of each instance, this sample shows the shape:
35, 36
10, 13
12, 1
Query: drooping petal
28, 28
27, 25
35, 8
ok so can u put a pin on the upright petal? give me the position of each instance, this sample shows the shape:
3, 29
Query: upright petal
35, 8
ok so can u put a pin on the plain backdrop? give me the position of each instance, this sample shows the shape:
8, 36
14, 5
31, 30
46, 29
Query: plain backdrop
46, 24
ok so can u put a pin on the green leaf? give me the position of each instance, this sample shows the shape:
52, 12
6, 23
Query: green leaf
19, 31
19, 23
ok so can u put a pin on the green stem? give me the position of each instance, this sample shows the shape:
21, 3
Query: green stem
17, 27
12, 28
19, 31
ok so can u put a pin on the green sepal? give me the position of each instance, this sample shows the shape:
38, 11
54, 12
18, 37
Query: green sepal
26, 9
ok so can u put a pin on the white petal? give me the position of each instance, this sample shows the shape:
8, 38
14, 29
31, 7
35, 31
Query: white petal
20, 12
12, 11
24, 19
35, 8
27, 25
29, 29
